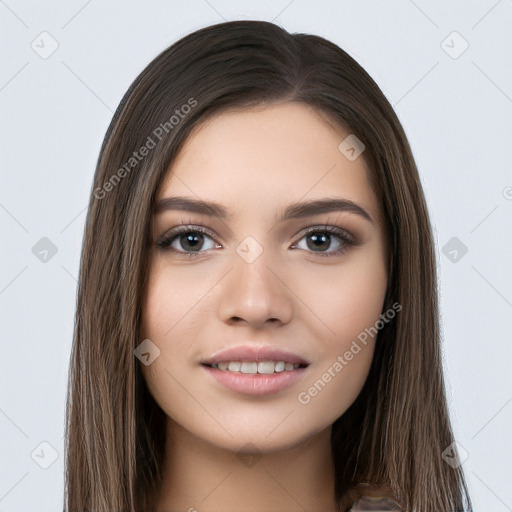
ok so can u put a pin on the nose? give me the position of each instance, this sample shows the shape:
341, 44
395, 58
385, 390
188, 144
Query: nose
255, 294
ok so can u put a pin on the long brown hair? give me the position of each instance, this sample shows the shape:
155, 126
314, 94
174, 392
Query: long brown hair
393, 435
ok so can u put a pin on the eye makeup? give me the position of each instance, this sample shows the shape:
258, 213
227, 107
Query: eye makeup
323, 233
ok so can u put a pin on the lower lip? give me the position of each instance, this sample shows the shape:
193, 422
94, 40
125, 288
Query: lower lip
256, 383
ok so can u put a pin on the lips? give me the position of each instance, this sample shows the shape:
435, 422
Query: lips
255, 353
254, 384
250, 383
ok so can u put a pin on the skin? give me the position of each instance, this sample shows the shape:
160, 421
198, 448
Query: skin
255, 163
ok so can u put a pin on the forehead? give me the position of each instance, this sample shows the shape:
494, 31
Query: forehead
268, 156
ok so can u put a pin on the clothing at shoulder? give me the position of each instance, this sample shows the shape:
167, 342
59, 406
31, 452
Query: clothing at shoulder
365, 503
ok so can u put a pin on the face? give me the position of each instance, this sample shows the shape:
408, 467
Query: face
254, 274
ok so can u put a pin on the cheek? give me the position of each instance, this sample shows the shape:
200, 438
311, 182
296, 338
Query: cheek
347, 299
164, 321
347, 307
174, 307
167, 315
173, 296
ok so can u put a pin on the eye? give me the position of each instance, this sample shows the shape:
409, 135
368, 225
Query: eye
321, 237
190, 238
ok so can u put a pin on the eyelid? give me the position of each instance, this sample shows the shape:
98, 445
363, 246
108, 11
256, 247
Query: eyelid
184, 228
345, 236
339, 231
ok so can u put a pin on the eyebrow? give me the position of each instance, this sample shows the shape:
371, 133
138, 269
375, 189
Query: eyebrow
293, 211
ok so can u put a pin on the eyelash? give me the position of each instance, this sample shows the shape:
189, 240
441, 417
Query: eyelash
165, 241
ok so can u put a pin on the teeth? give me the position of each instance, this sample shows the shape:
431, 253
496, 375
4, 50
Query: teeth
266, 367
234, 366
251, 367
279, 366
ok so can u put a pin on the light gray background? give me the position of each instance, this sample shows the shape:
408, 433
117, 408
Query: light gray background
54, 113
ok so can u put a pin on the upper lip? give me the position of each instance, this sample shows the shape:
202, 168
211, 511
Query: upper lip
255, 353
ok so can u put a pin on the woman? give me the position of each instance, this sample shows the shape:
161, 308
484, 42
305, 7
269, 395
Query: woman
257, 319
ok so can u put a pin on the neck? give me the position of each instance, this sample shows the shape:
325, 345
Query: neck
202, 477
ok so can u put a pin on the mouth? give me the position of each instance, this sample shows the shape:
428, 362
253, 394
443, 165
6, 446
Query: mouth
255, 370
256, 367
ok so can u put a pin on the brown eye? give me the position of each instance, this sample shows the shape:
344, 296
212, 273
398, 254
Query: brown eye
320, 239
187, 240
